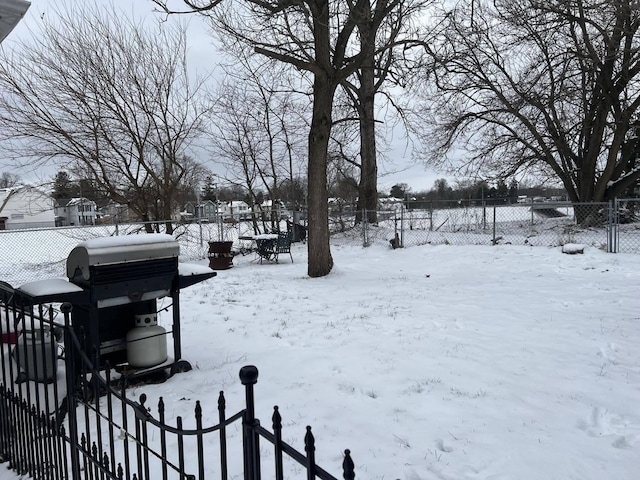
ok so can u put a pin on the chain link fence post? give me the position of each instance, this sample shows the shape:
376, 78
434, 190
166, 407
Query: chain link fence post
611, 226
402, 226
531, 207
494, 239
365, 227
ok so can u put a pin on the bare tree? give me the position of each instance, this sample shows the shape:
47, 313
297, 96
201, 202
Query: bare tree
257, 129
398, 49
551, 88
110, 98
317, 37
8, 179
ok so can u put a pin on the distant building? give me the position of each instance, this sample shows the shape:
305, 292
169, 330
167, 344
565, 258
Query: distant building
75, 211
276, 209
113, 213
391, 203
25, 207
207, 211
237, 209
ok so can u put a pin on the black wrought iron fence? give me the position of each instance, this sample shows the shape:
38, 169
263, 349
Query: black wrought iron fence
61, 418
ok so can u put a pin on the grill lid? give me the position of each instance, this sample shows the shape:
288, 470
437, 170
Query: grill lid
114, 250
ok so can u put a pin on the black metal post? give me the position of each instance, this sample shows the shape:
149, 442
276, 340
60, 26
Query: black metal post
71, 378
277, 433
249, 377
177, 340
347, 466
200, 440
163, 440
310, 448
222, 404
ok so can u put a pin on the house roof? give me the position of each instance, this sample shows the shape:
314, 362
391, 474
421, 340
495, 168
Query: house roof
61, 202
11, 12
80, 201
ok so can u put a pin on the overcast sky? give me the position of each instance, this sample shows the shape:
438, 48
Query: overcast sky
203, 58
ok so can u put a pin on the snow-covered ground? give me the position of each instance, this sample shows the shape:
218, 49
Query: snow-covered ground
431, 362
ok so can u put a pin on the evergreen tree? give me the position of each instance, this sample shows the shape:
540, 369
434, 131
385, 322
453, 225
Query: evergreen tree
209, 190
399, 190
64, 186
513, 190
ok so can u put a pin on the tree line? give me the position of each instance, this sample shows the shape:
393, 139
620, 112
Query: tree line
476, 192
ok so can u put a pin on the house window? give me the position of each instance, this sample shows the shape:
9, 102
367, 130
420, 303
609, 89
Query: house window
17, 216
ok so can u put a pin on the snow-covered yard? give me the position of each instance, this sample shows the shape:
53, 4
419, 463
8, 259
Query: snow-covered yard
430, 362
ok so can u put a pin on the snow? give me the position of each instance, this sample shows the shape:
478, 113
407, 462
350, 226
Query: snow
266, 236
126, 240
190, 269
49, 286
573, 248
431, 362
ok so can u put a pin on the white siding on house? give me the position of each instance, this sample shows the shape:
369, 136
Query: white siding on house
237, 208
26, 207
76, 211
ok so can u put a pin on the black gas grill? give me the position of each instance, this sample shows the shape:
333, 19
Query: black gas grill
119, 271
114, 280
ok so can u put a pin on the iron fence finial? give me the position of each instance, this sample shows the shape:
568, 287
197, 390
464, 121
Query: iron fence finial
347, 466
249, 375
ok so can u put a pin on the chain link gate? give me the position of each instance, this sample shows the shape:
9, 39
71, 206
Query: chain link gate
625, 235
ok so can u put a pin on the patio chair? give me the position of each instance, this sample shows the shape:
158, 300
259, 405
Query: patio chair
283, 245
266, 249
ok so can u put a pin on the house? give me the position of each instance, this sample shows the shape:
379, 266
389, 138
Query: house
75, 211
391, 203
237, 209
113, 213
275, 208
25, 207
204, 211
210, 211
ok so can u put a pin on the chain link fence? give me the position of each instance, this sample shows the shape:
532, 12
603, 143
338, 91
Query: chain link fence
35, 254
538, 224
466, 223
626, 226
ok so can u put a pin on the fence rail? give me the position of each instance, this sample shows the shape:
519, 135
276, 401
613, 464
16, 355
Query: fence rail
613, 226
28, 255
79, 423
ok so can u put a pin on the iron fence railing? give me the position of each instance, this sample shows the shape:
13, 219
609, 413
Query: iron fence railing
77, 422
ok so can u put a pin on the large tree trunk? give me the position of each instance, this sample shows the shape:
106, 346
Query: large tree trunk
320, 260
166, 210
368, 188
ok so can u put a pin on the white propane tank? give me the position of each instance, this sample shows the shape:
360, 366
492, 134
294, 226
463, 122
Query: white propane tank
146, 342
